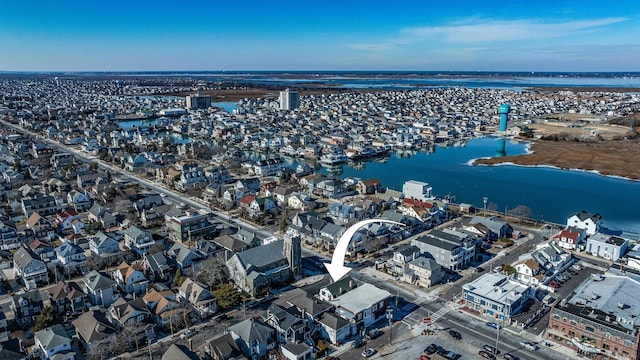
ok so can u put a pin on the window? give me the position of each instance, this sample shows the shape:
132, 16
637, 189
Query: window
589, 328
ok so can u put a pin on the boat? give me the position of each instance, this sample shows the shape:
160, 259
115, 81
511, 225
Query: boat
333, 158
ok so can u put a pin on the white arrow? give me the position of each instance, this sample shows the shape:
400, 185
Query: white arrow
336, 268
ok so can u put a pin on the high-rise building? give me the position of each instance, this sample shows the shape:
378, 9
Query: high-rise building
289, 99
198, 101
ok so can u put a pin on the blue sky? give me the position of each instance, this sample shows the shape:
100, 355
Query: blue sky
482, 35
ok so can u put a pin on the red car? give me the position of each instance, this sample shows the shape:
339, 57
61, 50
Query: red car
554, 284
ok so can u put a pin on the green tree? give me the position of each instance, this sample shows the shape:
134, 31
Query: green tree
93, 166
283, 225
178, 279
228, 296
45, 319
509, 270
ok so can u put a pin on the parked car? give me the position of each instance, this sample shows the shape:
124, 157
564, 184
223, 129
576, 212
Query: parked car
554, 284
187, 334
493, 325
497, 269
530, 346
486, 355
375, 333
454, 334
510, 357
357, 343
576, 267
479, 269
431, 349
368, 352
490, 349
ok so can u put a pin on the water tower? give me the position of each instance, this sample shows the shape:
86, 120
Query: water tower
503, 110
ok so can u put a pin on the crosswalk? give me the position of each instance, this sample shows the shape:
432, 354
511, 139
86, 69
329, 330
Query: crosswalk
414, 320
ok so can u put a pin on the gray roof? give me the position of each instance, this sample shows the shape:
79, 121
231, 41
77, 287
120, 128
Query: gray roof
253, 331
96, 281
425, 263
493, 223
342, 286
224, 347
296, 348
93, 325
68, 249
23, 256
333, 321
179, 352
134, 232
608, 239
260, 256
439, 243
157, 262
52, 336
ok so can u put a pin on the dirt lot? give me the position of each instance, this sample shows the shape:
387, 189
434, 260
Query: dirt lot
579, 130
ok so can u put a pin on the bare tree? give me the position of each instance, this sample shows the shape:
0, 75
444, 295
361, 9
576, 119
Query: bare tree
212, 272
521, 211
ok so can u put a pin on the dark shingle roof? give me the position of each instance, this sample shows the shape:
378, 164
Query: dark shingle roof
262, 255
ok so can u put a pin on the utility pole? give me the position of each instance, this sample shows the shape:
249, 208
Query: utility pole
390, 318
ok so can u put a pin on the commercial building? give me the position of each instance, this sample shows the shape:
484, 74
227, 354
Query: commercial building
601, 319
289, 99
197, 101
496, 295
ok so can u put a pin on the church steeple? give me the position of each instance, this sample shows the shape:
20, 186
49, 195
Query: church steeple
292, 250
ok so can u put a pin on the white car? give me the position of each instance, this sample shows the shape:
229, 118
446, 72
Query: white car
187, 334
368, 352
530, 346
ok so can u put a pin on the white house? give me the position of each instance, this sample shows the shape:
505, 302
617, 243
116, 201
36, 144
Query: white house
584, 220
417, 190
54, 341
607, 246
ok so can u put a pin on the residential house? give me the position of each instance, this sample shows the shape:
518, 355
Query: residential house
29, 267
282, 194
179, 352
599, 319
222, 347
273, 264
571, 238
423, 271
491, 228
343, 214
99, 289
330, 188
138, 240
26, 307
101, 214
609, 247
70, 255
147, 202
297, 351
362, 306
94, 329
182, 255
307, 225
451, 251
44, 251
54, 343
529, 271
301, 201
164, 307
135, 317
369, 186
40, 227
496, 296
45, 205
289, 325
586, 221
254, 337
402, 256
135, 162
102, 244
68, 222
130, 279
80, 201
551, 257
264, 205
87, 180
9, 239
269, 167
201, 301
156, 267
67, 298
4, 332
